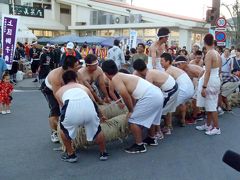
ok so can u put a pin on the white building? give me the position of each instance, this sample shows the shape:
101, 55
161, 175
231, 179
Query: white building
109, 18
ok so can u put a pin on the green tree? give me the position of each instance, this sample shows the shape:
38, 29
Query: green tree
234, 11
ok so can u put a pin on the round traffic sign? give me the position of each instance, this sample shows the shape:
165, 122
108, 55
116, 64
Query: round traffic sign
220, 36
221, 22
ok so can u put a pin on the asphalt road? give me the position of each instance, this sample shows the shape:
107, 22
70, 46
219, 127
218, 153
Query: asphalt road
26, 151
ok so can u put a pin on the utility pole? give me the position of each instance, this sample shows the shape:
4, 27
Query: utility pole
13, 8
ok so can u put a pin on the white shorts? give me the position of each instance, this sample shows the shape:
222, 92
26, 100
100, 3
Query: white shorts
77, 113
210, 102
148, 109
186, 89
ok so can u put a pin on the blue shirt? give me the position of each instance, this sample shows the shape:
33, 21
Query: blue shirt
3, 67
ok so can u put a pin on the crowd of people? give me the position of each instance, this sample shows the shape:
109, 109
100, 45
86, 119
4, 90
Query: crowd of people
152, 82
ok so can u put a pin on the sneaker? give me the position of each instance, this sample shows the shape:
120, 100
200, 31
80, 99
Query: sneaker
135, 148
103, 156
166, 130
213, 131
190, 121
35, 80
204, 127
150, 141
199, 117
8, 111
220, 111
4, 112
159, 135
69, 158
54, 137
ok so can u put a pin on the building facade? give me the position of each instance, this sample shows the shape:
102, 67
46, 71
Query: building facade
108, 18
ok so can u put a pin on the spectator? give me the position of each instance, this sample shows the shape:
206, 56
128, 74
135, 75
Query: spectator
116, 54
6, 89
3, 66
34, 56
140, 53
70, 52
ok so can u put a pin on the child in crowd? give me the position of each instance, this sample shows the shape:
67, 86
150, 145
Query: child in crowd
6, 89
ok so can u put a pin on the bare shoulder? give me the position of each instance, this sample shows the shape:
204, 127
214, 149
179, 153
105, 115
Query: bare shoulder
99, 71
81, 70
55, 76
192, 61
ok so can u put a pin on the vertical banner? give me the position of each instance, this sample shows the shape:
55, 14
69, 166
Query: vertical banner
133, 39
9, 36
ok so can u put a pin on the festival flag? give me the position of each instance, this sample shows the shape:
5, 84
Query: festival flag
9, 36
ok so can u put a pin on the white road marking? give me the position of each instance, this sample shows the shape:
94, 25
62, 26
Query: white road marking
18, 91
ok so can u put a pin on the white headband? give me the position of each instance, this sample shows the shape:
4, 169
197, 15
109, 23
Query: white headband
92, 64
162, 36
178, 62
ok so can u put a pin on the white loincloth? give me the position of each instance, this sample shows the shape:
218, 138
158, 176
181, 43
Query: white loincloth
141, 88
148, 109
78, 110
158, 64
195, 83
170, 93
210, 102
186, 89
47, 83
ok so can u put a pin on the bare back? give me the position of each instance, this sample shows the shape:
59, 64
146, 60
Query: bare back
128, 80
174, 71
194, 71
68, 86
55, 79
212, 59
156, 77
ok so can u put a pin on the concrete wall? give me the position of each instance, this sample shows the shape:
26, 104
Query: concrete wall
65, 19
82, 14
4, 9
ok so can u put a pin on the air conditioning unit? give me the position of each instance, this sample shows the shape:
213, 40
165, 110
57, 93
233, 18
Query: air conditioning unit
135, 18
116, 19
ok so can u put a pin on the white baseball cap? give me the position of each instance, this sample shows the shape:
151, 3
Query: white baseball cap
70, 45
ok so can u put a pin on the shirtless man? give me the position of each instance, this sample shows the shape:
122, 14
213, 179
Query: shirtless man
185, 85
194, 72
198, 59
168, 86
78, 109
112, 93
146, 112
50, 86
93, 74
157, 48
209, 87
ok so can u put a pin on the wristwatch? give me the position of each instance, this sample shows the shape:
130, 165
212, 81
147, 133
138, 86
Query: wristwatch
204, 87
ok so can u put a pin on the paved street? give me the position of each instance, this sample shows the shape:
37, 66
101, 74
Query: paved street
27, 153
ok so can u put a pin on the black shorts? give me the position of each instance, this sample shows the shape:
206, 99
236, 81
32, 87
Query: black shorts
14, 69
52, 102
35, 65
